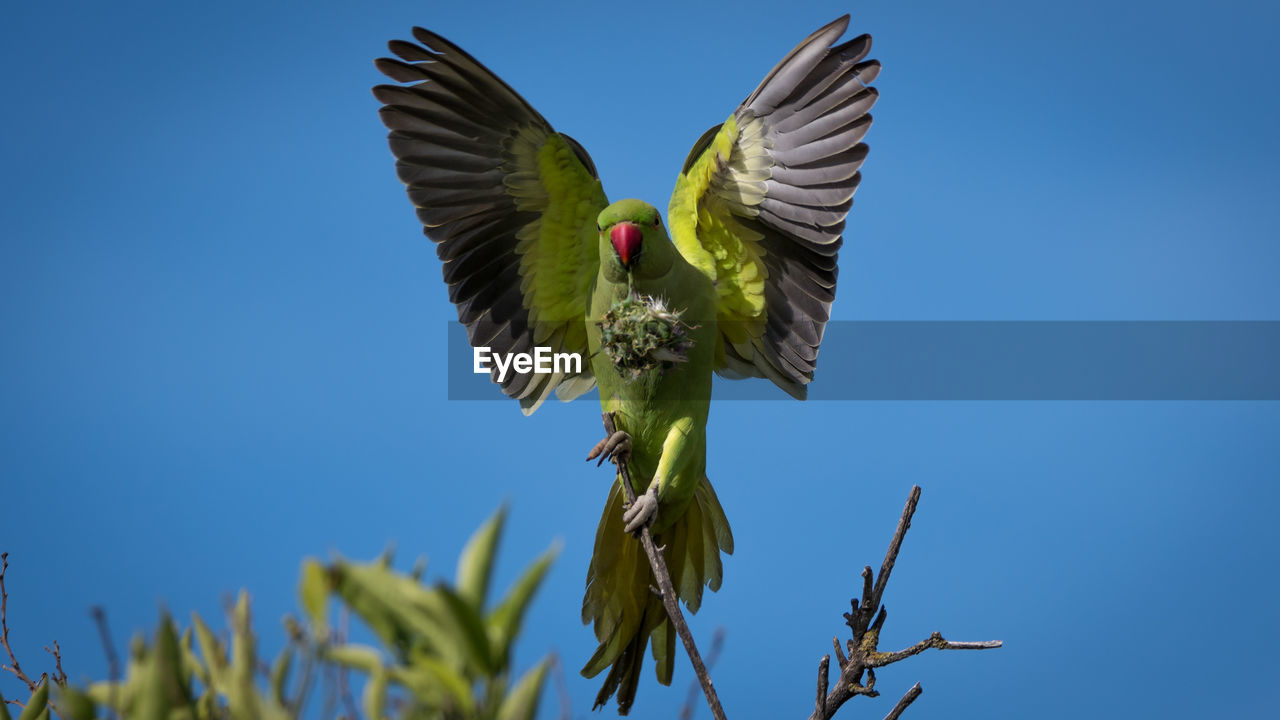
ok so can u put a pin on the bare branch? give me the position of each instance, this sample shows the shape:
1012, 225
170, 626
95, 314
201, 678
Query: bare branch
866, 619
59, 676
840, 658
669, 597
820, 702
690, 702
113, 660
906, 700
934, 641
13, 665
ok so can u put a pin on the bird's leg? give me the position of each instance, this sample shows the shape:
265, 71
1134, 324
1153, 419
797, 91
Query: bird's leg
641, 513
615, 448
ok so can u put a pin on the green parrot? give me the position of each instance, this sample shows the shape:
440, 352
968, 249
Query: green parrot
744, 269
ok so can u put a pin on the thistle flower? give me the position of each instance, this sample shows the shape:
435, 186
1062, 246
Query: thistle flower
640, 334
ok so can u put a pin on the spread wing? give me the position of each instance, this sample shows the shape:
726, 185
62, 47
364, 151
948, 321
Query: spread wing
760, 205
510, 203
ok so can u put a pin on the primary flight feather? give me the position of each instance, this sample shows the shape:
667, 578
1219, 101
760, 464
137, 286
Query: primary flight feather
739, 281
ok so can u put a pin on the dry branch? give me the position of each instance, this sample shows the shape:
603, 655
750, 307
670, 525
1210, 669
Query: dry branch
865, 621
13, 665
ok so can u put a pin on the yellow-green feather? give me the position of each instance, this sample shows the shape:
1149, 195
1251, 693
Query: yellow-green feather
703, 216
558, 256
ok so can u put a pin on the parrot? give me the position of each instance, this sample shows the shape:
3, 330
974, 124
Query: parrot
743, 272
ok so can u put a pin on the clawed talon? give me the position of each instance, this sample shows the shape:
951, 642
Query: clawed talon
641, 513
615, 448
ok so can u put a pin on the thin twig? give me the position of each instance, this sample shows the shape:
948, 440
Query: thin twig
669, 597
691, 700
113, 660
866, 619
13, 667
934, 641
562, 688
906, 700
59, 675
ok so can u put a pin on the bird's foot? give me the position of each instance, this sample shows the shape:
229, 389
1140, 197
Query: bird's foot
641, 513
615, 448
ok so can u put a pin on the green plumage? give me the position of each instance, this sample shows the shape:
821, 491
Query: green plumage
742, 286
664, 409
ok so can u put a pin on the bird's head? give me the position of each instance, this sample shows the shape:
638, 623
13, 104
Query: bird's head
633, 242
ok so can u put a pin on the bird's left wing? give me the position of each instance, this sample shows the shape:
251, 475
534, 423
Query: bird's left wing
760, 205
509, 202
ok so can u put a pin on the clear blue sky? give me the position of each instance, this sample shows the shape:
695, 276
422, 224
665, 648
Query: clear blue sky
222, 337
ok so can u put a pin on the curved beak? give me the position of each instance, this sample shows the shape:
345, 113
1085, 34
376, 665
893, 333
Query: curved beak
626, 239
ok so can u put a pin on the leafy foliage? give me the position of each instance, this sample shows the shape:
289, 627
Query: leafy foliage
445, 652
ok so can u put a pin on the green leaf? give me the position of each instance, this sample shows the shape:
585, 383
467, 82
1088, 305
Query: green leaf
359, 657
409, 618
4, 709
505, 620
168, 667
74, 704
190, 661
375, 694
313, 589
522, 702
475, 565
368, 591
215, 661
242, 696
468, 630
280, 674
434, 682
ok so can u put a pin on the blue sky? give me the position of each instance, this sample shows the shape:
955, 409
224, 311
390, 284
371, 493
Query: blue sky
223, 338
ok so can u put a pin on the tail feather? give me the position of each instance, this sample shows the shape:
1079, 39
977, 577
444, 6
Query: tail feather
626, 613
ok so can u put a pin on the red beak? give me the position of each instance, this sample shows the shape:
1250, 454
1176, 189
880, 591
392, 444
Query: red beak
626, 239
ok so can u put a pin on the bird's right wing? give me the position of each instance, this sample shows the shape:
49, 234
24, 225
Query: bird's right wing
760, 205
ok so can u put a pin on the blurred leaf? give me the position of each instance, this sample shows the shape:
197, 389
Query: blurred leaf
428, 677
168, 669
241, 694
215, 661
4, 709
522, 702
74, 703
375, 694
314, 592
468, 627
359, 657
366, 592
419, 568
475, 565
280, 674
192, 662
505, 620
153, 700
405, 614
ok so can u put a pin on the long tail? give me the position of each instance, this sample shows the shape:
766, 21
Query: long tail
619, 601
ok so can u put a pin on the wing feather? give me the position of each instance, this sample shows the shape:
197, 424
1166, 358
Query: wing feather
509, 202
760, 205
